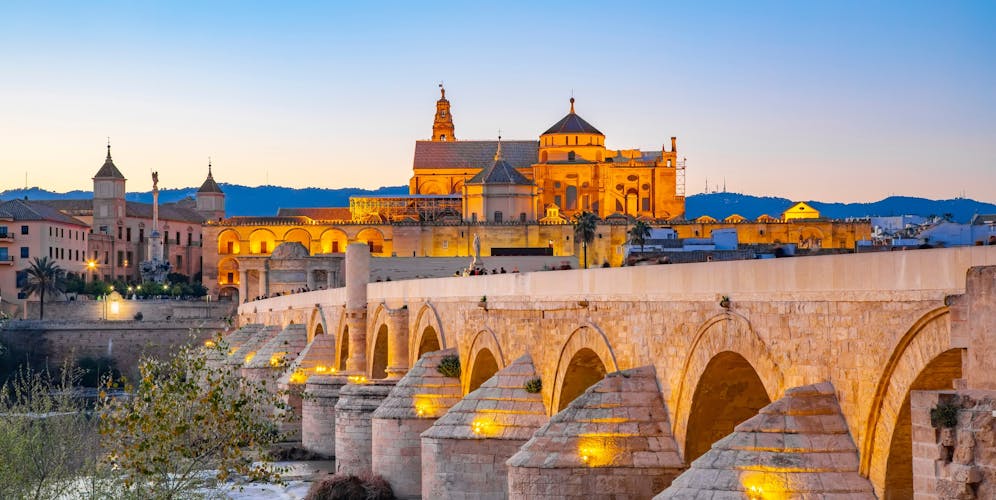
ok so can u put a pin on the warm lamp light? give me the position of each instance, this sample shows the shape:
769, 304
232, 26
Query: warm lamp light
209, 343
115, 307
357, 379
299, 377
250, 356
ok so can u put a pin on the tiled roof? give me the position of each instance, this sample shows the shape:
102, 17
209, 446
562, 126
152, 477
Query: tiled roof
178, 211
209, 185
24, 210
572, 124
167, 212
500, 172
317, 213
473, 154
109, 170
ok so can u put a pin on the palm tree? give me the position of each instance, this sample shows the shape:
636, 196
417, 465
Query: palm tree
585, 224
43, 277
639, 233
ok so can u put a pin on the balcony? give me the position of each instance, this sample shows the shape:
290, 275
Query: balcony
6, 260
6, 238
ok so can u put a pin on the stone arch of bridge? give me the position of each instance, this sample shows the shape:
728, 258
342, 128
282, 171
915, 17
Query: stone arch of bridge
923, 359
377, 339
316, 324
584, 359
428, 334
484, 358
723, 332
342, 343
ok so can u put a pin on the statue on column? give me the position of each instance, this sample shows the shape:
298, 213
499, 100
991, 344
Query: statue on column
157, 267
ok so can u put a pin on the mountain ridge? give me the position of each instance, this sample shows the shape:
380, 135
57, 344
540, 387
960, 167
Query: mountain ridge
266, 200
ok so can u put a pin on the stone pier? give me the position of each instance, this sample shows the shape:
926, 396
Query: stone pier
273, 357
318, 422
613, 441
353, 431
464, 452
796, 447
421, 397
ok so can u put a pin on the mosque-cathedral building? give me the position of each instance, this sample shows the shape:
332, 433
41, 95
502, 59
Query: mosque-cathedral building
517, 196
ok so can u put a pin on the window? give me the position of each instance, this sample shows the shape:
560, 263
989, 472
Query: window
128, 259
646, 204
231, 246
178, 237
231, 278
128, 234
498, 217
120, 258
190, 239
262, 247
50, 252
179, 262
120, 231
24, 229
50, 230
571, 156
572, 198
442, 137
107, 259
557, 201
522, 217
446, 244
3, 231
103, 230
3, 254
24, 252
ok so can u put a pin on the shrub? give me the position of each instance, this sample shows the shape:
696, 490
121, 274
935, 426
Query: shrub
345, 487
186, 416
46, 439
449, 366
533, 385
139, 316
945, 414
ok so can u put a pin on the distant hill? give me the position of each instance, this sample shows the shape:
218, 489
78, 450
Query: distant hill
265, 200
722, 205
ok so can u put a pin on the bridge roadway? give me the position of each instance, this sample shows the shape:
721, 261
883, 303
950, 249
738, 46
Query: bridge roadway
724, 338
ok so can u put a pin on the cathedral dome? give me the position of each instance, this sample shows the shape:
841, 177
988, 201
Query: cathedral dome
572, 124
209, 186
108, 170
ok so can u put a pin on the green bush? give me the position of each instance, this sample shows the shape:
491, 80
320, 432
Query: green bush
449, 366
533, 385
945, 414
46, 438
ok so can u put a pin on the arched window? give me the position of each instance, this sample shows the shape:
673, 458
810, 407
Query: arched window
571, 156
442, 137
572, 198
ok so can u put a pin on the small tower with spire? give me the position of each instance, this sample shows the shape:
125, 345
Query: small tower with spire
442, 125
210, 198
108, 196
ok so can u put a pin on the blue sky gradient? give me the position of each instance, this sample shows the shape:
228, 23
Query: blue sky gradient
843, 101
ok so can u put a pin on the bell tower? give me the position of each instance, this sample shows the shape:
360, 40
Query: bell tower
442, 125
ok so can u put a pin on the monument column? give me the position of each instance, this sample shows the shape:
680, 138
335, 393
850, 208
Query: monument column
357, 276
243, 285
264, 279
397, 344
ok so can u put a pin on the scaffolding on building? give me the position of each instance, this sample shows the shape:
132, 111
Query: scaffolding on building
415, 208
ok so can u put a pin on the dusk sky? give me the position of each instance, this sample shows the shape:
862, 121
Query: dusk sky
832, 101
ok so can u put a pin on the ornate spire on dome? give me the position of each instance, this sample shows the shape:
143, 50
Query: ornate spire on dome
498, 155
572, 105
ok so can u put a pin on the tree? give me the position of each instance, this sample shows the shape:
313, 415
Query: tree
187, 416
585, 224
639, 233
43, 276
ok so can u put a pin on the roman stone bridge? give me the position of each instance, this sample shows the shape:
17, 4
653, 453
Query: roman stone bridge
699, 348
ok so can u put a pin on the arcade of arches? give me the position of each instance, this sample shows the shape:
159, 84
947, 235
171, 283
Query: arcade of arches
891, 328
